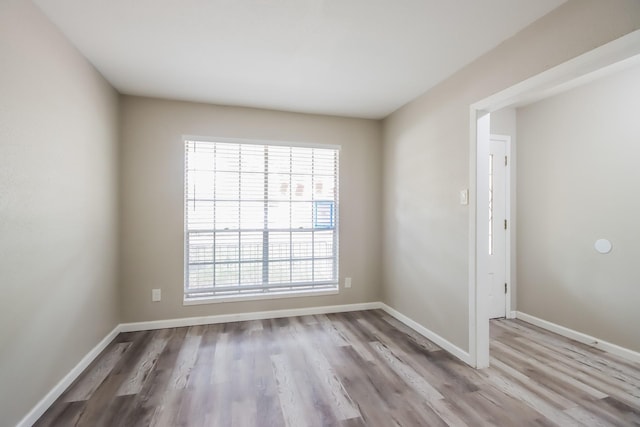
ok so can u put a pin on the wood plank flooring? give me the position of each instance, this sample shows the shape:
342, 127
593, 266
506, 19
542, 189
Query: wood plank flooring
350, 369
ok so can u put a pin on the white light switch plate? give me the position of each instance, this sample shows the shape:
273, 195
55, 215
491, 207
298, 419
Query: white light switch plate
464, 197
347, 282
156, 295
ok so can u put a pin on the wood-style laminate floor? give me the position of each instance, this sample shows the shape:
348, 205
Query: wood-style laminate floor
351, 369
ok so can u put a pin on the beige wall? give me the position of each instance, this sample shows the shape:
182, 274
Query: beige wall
58, 208
426, 161
152, 156
578, 181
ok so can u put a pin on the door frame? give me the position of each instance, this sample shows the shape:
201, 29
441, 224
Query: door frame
599, 62
509, 206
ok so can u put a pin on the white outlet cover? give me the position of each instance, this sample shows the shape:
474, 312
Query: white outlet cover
156, 295
603, 246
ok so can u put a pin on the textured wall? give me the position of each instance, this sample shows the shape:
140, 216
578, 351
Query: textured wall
426, 161
58, 208
152, 160
578, 181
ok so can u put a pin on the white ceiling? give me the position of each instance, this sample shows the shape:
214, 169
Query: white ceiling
360, 58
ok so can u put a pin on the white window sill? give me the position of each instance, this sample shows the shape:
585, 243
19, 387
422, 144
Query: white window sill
253, 297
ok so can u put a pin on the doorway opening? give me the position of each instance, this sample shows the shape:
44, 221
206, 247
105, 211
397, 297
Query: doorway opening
587, 67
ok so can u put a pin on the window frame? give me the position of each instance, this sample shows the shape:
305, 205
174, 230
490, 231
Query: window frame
292, 293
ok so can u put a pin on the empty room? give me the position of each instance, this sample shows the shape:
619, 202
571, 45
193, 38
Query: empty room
318, 213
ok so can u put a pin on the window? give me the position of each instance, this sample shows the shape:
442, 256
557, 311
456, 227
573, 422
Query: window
261, 220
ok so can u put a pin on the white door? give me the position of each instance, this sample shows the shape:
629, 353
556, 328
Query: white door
498, 223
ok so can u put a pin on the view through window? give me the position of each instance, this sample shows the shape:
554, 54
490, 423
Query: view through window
260, 219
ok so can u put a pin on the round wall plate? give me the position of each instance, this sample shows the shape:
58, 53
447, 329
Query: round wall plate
603, 246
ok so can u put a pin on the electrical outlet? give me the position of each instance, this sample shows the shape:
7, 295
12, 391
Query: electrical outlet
347, 282
156, 295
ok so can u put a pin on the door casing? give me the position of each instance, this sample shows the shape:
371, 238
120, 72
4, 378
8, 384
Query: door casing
601, 61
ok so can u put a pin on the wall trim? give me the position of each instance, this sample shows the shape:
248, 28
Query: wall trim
580, 337
430, 335
40, 408
240, 317
606, 58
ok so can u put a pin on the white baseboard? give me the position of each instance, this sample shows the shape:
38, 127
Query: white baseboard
239, 317
580, 337
44, 404
64, 383
512, 314
430, 335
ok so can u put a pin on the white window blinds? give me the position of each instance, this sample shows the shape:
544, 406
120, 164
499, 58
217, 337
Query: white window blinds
259, 219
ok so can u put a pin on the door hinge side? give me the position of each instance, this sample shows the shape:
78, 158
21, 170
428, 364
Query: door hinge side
505, 288
505, 224
505, 160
